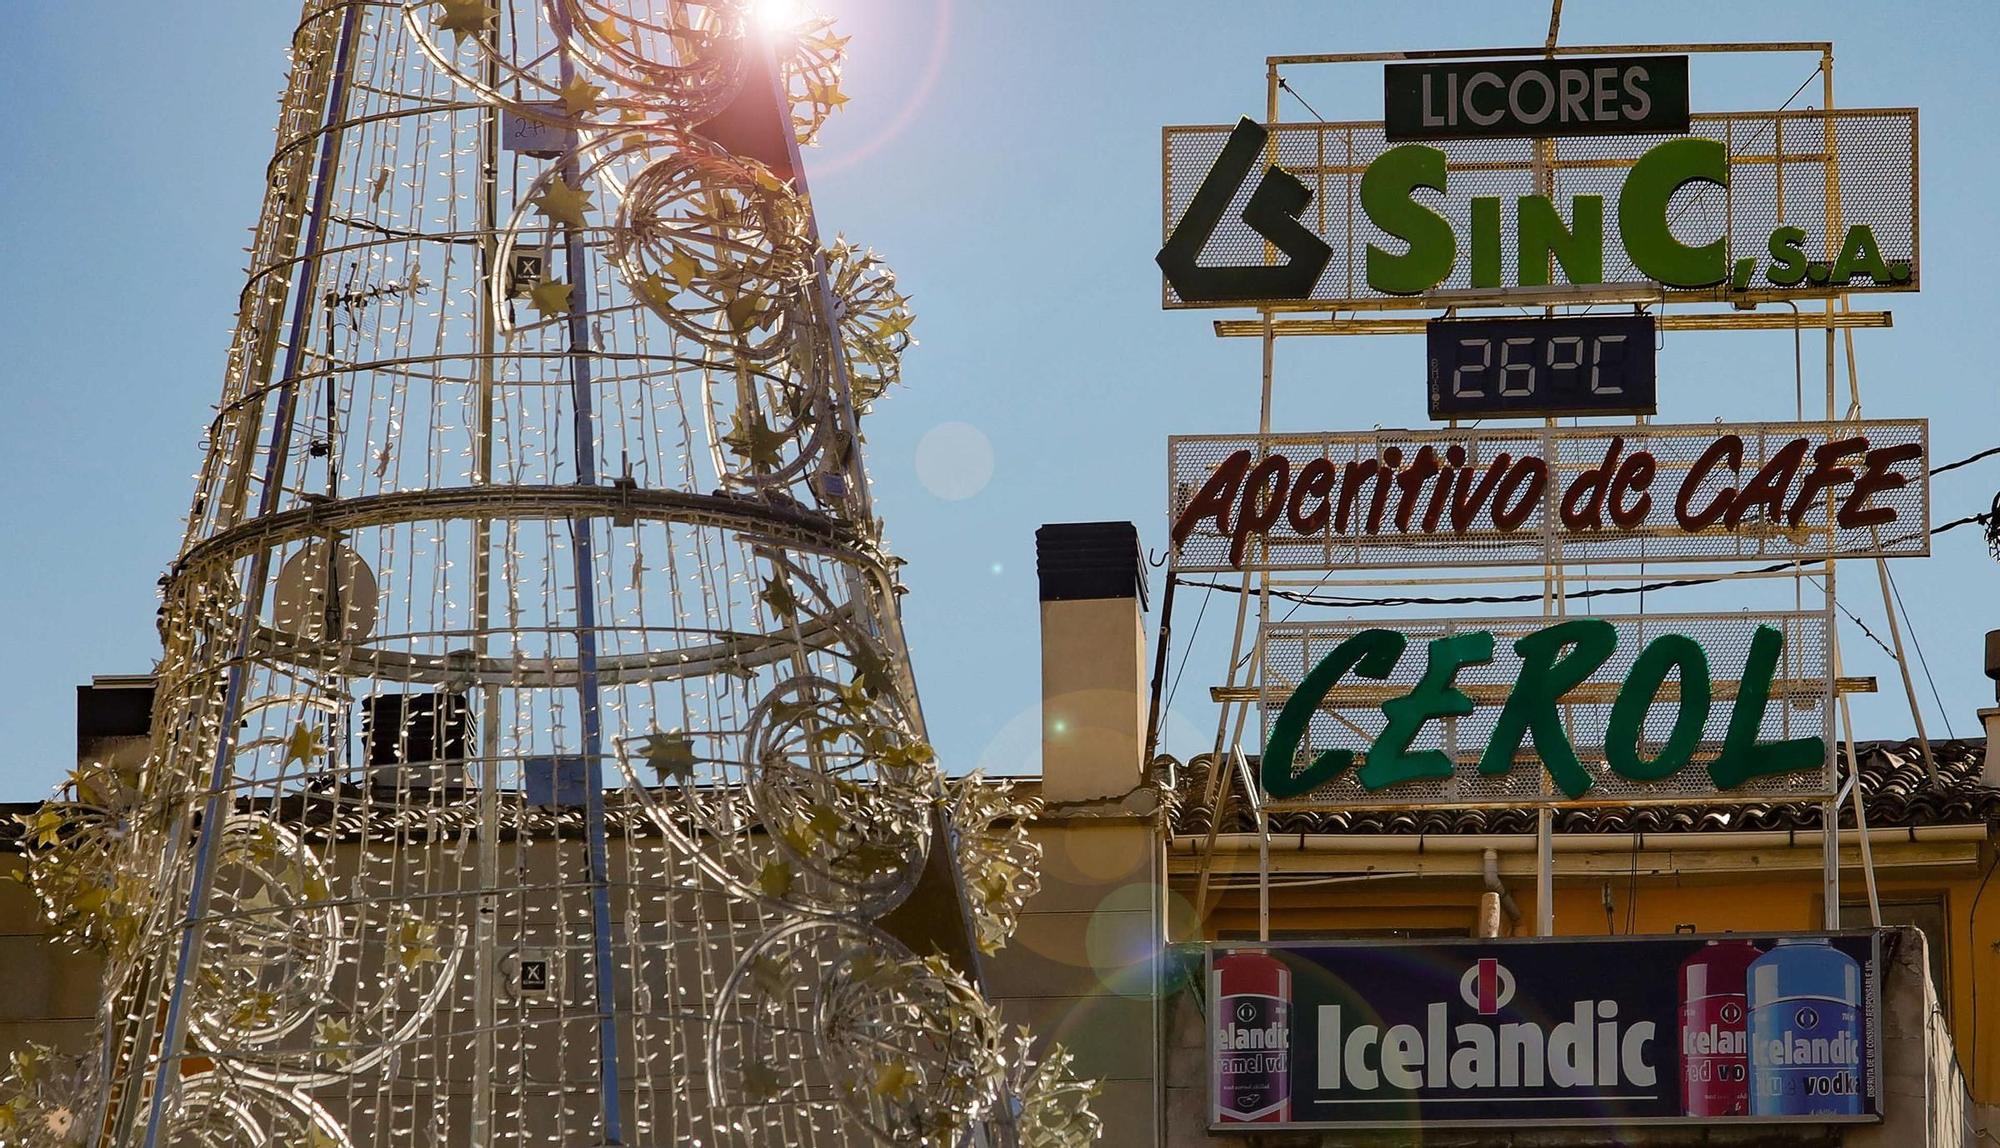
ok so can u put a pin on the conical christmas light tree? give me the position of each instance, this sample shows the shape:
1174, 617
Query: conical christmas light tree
535, 749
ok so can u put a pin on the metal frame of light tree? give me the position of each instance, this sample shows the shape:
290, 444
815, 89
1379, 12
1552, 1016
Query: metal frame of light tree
306, 944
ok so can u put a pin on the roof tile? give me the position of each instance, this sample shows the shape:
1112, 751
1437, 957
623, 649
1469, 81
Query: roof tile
1893, 786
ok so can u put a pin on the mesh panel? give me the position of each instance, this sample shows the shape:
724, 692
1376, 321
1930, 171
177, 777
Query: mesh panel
1351, 716
1779, 175
1657, 535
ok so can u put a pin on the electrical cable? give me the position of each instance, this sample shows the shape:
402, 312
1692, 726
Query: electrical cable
1301, 99
1854, 618
1174, 687
1989, 452
1921, 660
1598, 592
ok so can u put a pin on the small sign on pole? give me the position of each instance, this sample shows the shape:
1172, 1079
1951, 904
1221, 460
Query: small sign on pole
1579, 96
523, 131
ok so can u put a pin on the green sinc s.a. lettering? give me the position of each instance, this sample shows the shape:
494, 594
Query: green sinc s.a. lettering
1549, 246
1643, 220
1388, 190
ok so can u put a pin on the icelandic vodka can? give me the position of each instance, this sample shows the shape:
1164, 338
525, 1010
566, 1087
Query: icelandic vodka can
1714, 1022
1806, 1048
1252, 991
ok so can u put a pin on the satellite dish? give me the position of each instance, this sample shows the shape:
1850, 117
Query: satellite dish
308, 583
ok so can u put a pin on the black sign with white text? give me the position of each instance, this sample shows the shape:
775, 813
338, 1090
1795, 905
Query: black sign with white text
1608, 1030
1579, 96
1533, 368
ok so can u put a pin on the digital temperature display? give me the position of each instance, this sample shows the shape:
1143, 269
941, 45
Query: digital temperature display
1530, 368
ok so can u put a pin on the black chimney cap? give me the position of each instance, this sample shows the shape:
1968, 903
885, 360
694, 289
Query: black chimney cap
113, 706
1079, 560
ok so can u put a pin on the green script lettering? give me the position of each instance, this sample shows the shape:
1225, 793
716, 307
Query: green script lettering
1531, 705
1434, 695
1371, 654
1545, 243
1579, 249
1635, 697
1554, 660
1743, 756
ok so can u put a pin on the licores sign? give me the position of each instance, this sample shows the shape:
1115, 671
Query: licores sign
1596, 95
1748, 206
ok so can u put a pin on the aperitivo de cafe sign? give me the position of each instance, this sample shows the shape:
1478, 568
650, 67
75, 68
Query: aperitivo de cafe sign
1553, 661
1486, 497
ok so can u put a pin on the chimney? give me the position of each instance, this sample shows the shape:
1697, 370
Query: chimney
1093, 591
1989, 771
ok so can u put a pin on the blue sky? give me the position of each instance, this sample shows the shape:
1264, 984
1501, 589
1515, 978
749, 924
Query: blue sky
1005, 159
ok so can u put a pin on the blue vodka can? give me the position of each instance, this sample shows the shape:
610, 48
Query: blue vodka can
1806, 1043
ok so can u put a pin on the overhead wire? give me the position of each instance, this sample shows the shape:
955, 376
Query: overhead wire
1989, 452
1921, 659
1312, 599
1174, 687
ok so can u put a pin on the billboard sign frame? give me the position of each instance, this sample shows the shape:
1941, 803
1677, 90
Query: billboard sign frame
1282, 1029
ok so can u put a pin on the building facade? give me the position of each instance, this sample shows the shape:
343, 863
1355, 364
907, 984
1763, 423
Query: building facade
1108, 954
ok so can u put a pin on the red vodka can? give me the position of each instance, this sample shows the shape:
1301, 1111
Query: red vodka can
1252, 991
1715, 1043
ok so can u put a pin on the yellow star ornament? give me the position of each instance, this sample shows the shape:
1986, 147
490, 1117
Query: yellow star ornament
671, 755
464, 18
896, 323
774, 879
579, 96
562, 203
894, 1080
416, 942
304, 745
761, 1082
337, 1036
549, 298
607, 30
827, 95
683, 268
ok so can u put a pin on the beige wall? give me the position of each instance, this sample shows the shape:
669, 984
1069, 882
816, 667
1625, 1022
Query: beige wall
1080, 970
48, 995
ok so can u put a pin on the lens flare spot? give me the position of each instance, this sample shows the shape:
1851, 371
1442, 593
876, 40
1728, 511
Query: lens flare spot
954, 461
779, 15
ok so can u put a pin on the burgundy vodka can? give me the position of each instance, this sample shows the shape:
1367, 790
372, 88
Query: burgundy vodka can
1252, 991
1715, 1045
